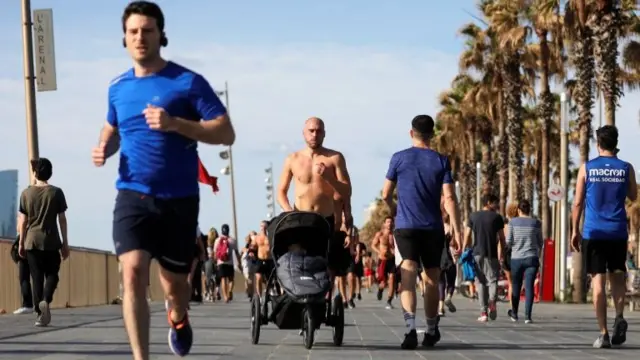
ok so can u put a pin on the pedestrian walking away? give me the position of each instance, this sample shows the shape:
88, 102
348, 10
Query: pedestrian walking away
157, 113
511, 212
24, 276
448, 271
42, 208
602, 186
225, 249
487, 228
423, 179
524, 238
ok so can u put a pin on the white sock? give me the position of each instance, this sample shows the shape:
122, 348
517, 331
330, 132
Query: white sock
410, 320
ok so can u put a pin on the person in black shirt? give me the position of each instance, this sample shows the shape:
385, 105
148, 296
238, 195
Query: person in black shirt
42, 208
487, 227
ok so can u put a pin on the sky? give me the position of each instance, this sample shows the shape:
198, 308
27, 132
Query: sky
366, 67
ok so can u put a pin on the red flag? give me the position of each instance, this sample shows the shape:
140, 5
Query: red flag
205, 178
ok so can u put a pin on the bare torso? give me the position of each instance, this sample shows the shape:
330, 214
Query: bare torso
312, 192
264, 251
386, 245
367, 262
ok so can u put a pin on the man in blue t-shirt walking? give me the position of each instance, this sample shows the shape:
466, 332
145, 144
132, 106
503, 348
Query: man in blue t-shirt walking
422, 177
602, 187
155, 110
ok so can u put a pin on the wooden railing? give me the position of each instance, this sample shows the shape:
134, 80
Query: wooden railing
87, 278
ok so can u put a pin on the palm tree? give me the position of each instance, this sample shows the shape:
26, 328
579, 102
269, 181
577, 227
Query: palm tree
580, 38
545, 19
505, 23
487, 99
605, 23
457, 117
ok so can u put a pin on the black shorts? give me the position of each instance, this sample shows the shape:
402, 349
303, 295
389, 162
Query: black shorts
165, 228
226, 271
339, 258
421, 246
265, 267
356, 268
601, 256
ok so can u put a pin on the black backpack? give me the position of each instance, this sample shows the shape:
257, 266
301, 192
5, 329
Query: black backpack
15, 254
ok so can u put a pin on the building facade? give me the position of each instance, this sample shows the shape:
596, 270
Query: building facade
8, 203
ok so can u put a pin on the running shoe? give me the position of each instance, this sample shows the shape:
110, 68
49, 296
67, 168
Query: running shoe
602, 342
619, 331
180, 336
410, 340
431, 339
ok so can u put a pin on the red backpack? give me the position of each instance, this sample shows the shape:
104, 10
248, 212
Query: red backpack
222, 253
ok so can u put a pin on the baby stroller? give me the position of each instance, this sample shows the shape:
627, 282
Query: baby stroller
299, 246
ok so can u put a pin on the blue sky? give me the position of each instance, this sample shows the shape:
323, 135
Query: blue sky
365, 67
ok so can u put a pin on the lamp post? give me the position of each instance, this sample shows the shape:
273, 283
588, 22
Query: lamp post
229, 169
564, 183
271, 192
29, 84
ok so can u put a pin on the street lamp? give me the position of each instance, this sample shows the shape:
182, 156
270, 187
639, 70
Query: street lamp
229, 169
29, 84
564, 183
271, 192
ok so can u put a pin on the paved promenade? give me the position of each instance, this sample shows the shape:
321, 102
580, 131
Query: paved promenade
560, 332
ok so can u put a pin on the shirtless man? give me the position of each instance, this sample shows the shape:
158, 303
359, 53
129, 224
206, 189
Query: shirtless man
265, 264
384, 245
319, 175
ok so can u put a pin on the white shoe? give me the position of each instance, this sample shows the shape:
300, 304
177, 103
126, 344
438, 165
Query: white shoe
45, 317
23, 310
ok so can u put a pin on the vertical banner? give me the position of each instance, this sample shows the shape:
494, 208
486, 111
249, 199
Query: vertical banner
44, 50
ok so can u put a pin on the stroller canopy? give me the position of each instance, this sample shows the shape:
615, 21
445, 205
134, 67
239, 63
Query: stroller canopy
310, 230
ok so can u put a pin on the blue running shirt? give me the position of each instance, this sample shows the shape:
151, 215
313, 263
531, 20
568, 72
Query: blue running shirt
419, 174
606, 184
156, 163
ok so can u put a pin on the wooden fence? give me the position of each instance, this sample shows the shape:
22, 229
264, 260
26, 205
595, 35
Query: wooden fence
87, 278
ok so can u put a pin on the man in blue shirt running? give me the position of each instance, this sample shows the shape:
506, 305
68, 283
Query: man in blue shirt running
422, 177
602, 187
155, 110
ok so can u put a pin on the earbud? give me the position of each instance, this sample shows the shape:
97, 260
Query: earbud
163, 40
124, 43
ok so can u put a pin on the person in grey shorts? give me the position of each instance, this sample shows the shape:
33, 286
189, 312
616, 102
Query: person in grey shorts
486, 226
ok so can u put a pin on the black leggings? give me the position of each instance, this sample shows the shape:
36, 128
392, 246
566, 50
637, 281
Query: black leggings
25, 283
447, 283
44, 267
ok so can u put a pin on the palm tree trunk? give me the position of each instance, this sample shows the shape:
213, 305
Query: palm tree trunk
515, 126
503, 153
471, 136
605, 23
539, 183
584, 100
547, 110
489, 183
464, 191
529, 182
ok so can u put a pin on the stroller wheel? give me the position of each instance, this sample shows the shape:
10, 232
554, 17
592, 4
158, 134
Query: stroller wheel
256, 319
308, 327
337, 314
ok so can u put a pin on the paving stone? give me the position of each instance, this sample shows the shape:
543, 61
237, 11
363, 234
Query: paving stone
560, 332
